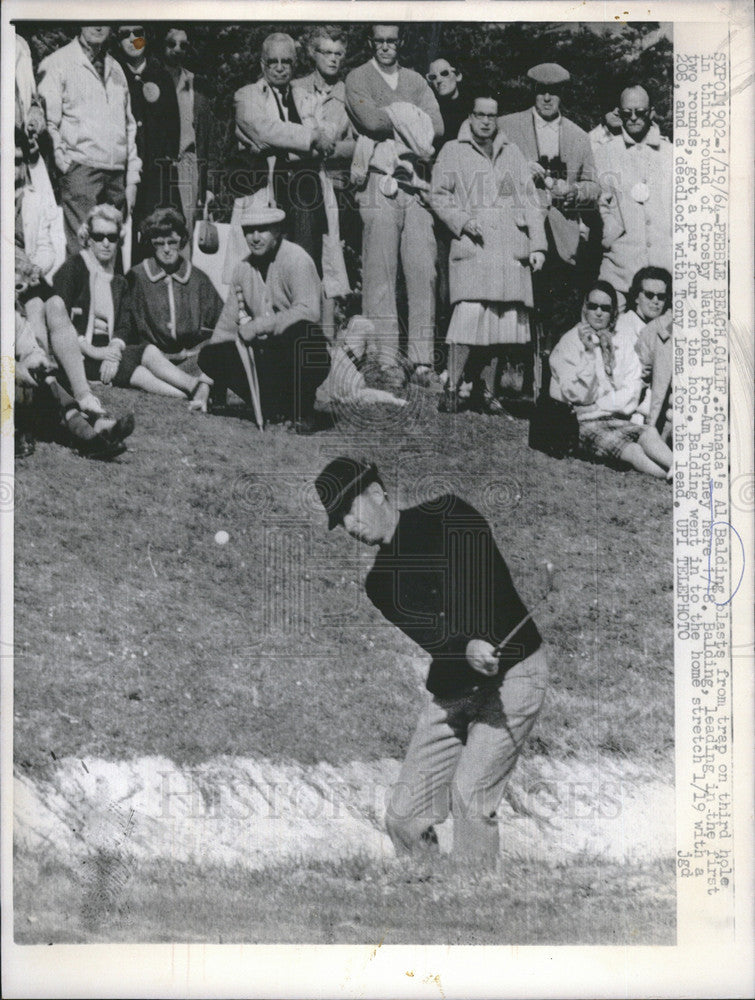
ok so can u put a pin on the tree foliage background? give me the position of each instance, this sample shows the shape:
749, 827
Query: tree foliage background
493, 56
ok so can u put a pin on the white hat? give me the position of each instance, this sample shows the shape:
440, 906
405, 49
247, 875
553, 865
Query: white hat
258, 209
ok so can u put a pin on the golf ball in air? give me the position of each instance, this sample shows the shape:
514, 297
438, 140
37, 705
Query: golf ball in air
221, 537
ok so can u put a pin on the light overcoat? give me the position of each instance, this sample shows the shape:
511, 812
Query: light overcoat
636, 204
500, 195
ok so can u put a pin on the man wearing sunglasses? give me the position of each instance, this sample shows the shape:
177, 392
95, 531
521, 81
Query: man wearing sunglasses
195, 120
635, 171
91, 126
155, 108
396, 220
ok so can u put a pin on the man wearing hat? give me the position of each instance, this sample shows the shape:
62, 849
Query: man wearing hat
438, 576
636, 203
273, 312
561, 161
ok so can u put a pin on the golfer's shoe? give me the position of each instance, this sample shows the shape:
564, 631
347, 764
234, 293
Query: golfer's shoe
429, 839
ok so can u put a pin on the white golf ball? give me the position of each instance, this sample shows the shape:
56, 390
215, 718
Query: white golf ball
221, 538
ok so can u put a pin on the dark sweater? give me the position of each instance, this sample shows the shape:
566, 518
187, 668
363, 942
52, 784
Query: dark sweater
71, 283
454, 113
442, 581
154, 105
197, 306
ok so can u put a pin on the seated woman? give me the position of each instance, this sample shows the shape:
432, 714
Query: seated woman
95, 298
598, 371
648, 320
647, 299
173, 304
655, 352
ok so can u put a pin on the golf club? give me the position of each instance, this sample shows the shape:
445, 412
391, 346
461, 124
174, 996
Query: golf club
548, 572
246, 353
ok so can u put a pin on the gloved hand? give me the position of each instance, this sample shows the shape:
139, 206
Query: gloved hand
480, 656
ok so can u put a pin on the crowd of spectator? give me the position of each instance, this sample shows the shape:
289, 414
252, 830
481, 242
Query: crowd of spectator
472, 223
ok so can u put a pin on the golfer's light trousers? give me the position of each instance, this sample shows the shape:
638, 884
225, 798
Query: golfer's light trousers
460, 758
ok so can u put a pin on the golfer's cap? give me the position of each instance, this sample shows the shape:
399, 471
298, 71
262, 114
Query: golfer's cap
339, 482
549, 73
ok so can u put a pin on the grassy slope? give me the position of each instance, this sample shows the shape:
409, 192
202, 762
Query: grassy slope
137, 634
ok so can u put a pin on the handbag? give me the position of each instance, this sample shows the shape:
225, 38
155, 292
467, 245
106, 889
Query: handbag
554, 428
208, 241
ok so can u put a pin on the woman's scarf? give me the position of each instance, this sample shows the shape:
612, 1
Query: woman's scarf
608, 351
100, 291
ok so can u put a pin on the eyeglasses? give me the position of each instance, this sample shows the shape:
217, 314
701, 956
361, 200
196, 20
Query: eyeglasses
279, 62
124, 33
440, 75
484, 114
176, 45
390, 43
634, 112
594, 306
166, 241
100, 237
661, 296
338, 53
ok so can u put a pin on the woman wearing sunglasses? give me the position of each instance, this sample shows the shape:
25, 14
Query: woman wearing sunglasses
597, 370
648, 321
647, 299
154, 104
96, 299
174, 304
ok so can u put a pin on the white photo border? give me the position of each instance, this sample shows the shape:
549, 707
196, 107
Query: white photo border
705, 962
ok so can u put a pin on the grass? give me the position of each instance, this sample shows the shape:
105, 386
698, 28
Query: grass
136, 634
355, 901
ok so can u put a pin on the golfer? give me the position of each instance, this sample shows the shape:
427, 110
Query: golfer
438, 576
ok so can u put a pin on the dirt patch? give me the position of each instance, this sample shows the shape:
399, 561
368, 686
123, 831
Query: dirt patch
255, 813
